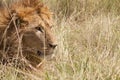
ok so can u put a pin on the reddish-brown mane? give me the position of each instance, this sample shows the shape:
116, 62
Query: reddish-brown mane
21, 8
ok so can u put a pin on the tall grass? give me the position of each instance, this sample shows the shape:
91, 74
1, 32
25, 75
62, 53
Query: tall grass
88, 35
87, 51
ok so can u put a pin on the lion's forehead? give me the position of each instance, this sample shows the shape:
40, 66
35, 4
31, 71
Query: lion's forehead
35, 20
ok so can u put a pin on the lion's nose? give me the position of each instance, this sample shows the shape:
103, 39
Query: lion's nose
52, 45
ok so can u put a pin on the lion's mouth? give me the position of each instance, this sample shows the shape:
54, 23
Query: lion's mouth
39, 53
44, 53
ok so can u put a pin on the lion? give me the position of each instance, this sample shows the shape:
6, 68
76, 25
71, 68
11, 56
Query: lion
25, 30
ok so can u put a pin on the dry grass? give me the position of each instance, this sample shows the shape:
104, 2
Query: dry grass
88, 43
87, 51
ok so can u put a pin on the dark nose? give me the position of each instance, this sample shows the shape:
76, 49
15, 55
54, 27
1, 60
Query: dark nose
53, 45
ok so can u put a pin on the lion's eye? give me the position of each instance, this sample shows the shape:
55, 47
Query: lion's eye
39, 28
24, 22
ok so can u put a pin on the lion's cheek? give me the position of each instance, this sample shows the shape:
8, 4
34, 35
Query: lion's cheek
31, 40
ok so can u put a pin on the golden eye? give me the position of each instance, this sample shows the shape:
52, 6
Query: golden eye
39, 28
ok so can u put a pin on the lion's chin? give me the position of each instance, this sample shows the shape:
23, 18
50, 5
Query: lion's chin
48, 55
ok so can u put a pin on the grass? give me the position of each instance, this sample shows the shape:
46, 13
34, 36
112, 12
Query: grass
88, 50
88, 43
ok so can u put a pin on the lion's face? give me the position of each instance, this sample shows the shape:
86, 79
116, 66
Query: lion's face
34, 25
37, 35
25, 27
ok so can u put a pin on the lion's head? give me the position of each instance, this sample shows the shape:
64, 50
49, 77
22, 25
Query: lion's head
25, 25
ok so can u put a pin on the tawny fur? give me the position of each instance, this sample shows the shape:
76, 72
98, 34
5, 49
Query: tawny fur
19, 18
